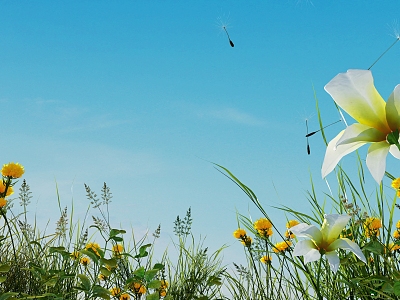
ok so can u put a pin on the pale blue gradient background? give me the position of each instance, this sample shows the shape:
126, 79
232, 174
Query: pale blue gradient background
141, 94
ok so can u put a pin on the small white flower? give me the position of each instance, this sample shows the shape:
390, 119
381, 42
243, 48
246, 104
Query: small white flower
325, 241
378, 122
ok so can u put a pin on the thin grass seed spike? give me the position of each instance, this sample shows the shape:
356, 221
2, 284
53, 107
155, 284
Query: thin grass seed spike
230, 41
397, 39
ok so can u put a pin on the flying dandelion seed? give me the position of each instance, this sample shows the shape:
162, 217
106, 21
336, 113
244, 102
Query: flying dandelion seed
223, 25
314, 132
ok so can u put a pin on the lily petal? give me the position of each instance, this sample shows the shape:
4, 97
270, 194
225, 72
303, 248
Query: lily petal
393, 109
361, 133
307, 249
376, 159
305, 230
346, 244
394, 151
333, 260
333, 226
354, 91
335, 153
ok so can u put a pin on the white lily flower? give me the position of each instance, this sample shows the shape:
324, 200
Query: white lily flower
379, 122
325, 241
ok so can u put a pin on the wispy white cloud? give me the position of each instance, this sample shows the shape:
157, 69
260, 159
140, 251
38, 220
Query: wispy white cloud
233, 115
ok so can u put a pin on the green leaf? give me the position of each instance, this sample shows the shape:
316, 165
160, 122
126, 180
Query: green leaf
158, 266
154, 296
105, 271
117, 238
149, 275
4, 268
99, 291
168, 297
56, 249
140, 272
374, 247
154, 284
84, 281
112, 262
115, 232
90, 254
396, 288
7, 295
142, 251
2, 278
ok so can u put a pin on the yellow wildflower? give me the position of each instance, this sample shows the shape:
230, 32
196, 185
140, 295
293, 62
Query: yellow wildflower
74, 255
239, 233
3, 202
138, 288
85, 261
115, 291
264, 227
398, 224
164, 284
13, 170
163, 293
289, 234
396, 183
393, 247
266, 259
10, 189
102, 277
125, 296
396, 234
371, 226
117, 250
282, 246
246, 241
292, 223
94, 247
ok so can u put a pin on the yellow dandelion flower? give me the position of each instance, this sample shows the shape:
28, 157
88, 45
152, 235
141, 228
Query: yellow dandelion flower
85, 261
246, 241
125, 296
239, 233
281, 246
163, 293
289, 234
74, 255
393, 247
371, 226
398, 224
94, 247
10, 189
396, 234
3, 202
164, 284
292, 223
138, 288
396, 183
266, 259
13, 170
102, 277
398, 193
115, 291
117, 250
262, 224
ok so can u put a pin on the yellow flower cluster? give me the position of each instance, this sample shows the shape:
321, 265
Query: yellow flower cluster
3, 202
282, 246
85, 261
138, 288
94, 247
371, 226
244, 239
117, 250
292, 223
115, 291
10, 190
393, 247
163, 288
263, 227
12, 170
396, 186
266, 259
125, 296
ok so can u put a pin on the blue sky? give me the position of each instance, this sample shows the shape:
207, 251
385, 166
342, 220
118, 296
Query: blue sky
142, 94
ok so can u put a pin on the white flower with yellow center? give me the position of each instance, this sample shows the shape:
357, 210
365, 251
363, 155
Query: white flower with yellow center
378, 122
